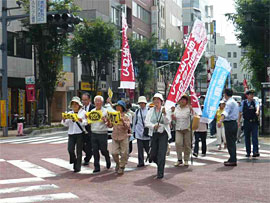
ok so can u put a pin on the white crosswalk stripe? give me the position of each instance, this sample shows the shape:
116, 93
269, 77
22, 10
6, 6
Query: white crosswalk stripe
28, 188
20, 180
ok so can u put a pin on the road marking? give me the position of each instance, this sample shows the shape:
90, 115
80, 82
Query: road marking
28, 188
39, 198
65, 164
46, 141
243, 152
175, 160
20, 180
36, 139
59, 142
33, 169
2, 160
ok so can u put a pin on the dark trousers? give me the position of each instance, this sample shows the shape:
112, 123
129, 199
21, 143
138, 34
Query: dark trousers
251, 128
200, 136
213, 127
76, 159
100, 142
130, 147
159, 144
87, 147
142, 145
231, 136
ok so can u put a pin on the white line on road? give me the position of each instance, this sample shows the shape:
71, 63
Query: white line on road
65, 164
36, 139
39, 198
20, 180
33, 169
59, 142
2, 160
28, 188
51, 140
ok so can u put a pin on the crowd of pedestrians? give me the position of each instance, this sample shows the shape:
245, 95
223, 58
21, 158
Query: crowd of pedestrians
155, 127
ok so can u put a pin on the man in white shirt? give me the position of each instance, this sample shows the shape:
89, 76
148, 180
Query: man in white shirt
99, 136
87, 145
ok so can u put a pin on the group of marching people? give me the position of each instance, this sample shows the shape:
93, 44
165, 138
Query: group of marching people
152, 126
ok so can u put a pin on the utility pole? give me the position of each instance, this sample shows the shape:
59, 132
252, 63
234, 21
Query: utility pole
4, 63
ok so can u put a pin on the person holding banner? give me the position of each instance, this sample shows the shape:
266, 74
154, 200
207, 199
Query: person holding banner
139, 131
120, 138
158, 121
229, 117
76, 130
99, 135
87, 145
182, 136
220, 130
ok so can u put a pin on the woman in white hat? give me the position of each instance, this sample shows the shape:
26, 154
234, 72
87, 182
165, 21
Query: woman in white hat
182, 136
221, 130
158, 121
76, 130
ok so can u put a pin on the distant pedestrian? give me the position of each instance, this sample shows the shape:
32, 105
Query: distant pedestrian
158, 121
250, 110
200, 135
87, 143
120, 139
100, 135
229, 117
76, 130
182, 136
220, 130
130, 114
141, 133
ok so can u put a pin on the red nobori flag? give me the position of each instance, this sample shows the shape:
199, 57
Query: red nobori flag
195, 47
194, 99
127, 80
245, 85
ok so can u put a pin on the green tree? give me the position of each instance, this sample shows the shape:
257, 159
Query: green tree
141, 53
94, 42
50, 46
252, 25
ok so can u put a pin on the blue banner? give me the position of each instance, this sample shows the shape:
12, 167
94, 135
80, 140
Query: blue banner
229, 80
215, 89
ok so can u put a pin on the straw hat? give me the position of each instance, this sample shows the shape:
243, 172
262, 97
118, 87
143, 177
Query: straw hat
77, 100
142, 99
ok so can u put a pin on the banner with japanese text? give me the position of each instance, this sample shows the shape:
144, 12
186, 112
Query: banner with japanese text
94, 116
194, 99
72, 116
215, 89
115, 117
195, 47
127, 79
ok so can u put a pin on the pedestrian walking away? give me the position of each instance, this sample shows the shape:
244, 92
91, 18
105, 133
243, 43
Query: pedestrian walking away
100, 136
76, 130
158, 121
87, 143
220, 130
200, 135
229, 117
140, 131
250, 110
183, 138
120, 139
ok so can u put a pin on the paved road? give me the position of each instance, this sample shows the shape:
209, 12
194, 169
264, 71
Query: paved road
36, 169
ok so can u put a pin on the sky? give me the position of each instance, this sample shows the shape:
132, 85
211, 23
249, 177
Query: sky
224, 27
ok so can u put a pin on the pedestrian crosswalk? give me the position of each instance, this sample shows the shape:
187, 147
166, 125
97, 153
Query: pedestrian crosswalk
52, 167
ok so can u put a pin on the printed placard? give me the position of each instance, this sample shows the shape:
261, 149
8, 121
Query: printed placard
94, 116
72, 116
115, 117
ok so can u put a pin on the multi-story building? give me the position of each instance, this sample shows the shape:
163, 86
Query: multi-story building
233, 53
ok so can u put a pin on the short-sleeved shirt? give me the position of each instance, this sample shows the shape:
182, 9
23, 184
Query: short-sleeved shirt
231, 111
248, 103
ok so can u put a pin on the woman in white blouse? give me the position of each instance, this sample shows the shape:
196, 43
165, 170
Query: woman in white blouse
75, 133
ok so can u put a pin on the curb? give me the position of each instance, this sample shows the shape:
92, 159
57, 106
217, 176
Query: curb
44, 131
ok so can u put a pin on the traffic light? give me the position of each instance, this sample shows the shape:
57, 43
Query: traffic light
64, 22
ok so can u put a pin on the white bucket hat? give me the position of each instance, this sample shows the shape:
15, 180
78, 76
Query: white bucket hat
142, 99
158, 95
77, 100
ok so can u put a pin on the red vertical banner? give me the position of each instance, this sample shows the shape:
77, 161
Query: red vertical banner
195, 47
127, 79
245, 85
30, 92
194, 99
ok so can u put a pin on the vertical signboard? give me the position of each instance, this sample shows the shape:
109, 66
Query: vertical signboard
38, 11
3, 112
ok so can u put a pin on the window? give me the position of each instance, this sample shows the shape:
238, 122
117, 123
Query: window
115, 16
10, 44
229, 54
175, 21
162, 13
23, 47
67, 63
134, 9
234, 65
234, 76
140, 13
234, 54
162, 33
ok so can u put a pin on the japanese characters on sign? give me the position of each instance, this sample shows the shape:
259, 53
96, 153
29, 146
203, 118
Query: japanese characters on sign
94, 116
115, 117
38, 11
72, 116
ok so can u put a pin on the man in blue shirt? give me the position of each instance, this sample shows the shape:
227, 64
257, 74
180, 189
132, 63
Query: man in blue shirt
250, 110
229, 117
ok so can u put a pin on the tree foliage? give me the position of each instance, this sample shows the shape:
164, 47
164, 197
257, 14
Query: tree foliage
142, 54
94, 42
50, 46
252, 27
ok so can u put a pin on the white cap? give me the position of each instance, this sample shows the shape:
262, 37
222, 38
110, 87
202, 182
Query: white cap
142, 99
158, 95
